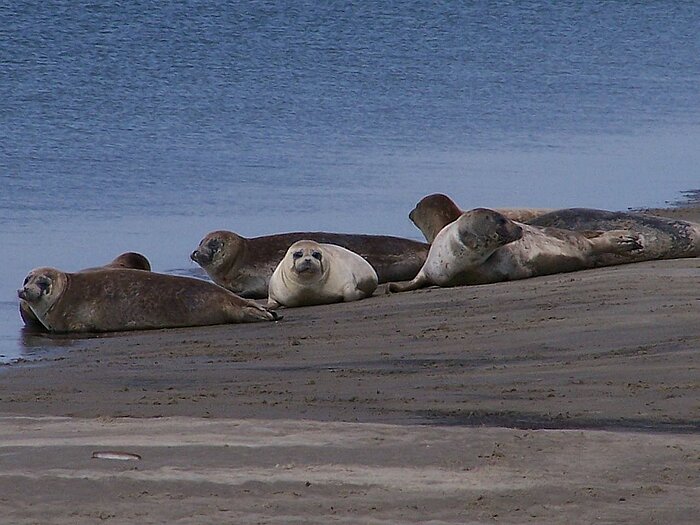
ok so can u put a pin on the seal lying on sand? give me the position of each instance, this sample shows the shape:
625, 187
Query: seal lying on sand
245, 266
482, 246
116, 300
313, 273
132, 260
663, 238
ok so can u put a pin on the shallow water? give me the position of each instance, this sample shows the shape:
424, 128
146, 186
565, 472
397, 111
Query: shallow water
143, 126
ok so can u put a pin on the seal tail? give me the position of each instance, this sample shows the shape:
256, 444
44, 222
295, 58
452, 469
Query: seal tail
419, 281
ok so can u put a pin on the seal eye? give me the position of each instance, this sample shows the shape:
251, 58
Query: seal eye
316, 255
26, 280
43, 284
298, 255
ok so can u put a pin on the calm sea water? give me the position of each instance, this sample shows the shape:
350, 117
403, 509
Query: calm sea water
144, 125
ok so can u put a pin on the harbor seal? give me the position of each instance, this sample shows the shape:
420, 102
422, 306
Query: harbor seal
245, 265
663, 237
313, 273
132, 260
434, 212
483, 246
113, 300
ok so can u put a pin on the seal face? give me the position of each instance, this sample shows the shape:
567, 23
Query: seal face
312, 273
245, 265
483, 246
110, 300
132, 260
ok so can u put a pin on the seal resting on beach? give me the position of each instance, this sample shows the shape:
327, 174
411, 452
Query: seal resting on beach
663, 238
132, 260
245, 265
483, 246
125, 299
313, 273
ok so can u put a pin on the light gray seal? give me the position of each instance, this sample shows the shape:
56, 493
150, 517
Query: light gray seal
483, 246
313, 273
245, 265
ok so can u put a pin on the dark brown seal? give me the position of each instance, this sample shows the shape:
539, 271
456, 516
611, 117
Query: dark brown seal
117, 300
245, 265
132, 260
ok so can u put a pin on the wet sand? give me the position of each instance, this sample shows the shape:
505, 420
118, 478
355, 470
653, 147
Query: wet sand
572, 398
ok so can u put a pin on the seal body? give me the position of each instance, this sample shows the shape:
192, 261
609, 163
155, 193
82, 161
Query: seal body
483, 246
663, 238
132, 260
313, 273
126, 299
245, 265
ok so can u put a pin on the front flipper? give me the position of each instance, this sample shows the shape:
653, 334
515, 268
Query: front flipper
617, 241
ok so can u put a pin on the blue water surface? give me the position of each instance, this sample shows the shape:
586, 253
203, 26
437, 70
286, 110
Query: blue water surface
144, 125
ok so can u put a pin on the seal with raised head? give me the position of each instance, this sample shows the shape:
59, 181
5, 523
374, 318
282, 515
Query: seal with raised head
313, 273
663, 237
245, 265
483, 246
132, 260
125, 299
434, 212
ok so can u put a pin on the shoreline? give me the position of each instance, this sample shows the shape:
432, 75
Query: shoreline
558, 399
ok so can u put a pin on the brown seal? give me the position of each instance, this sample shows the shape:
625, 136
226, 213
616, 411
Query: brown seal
117, 300
245, 265
483, 246
132, 260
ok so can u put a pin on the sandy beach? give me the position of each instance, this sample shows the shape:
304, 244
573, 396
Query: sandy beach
572, 398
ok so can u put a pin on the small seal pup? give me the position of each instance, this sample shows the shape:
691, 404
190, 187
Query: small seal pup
245, 265
132, 260
434, 212
124, 299
663, 237
312, 273
483, 246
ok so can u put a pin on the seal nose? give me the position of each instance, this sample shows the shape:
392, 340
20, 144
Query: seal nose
22, 293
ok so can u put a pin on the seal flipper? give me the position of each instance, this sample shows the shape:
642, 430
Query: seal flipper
617, 241
420, 281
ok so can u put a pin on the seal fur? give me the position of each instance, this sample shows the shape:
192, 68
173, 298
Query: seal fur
111, 300
313, 273
133, 260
